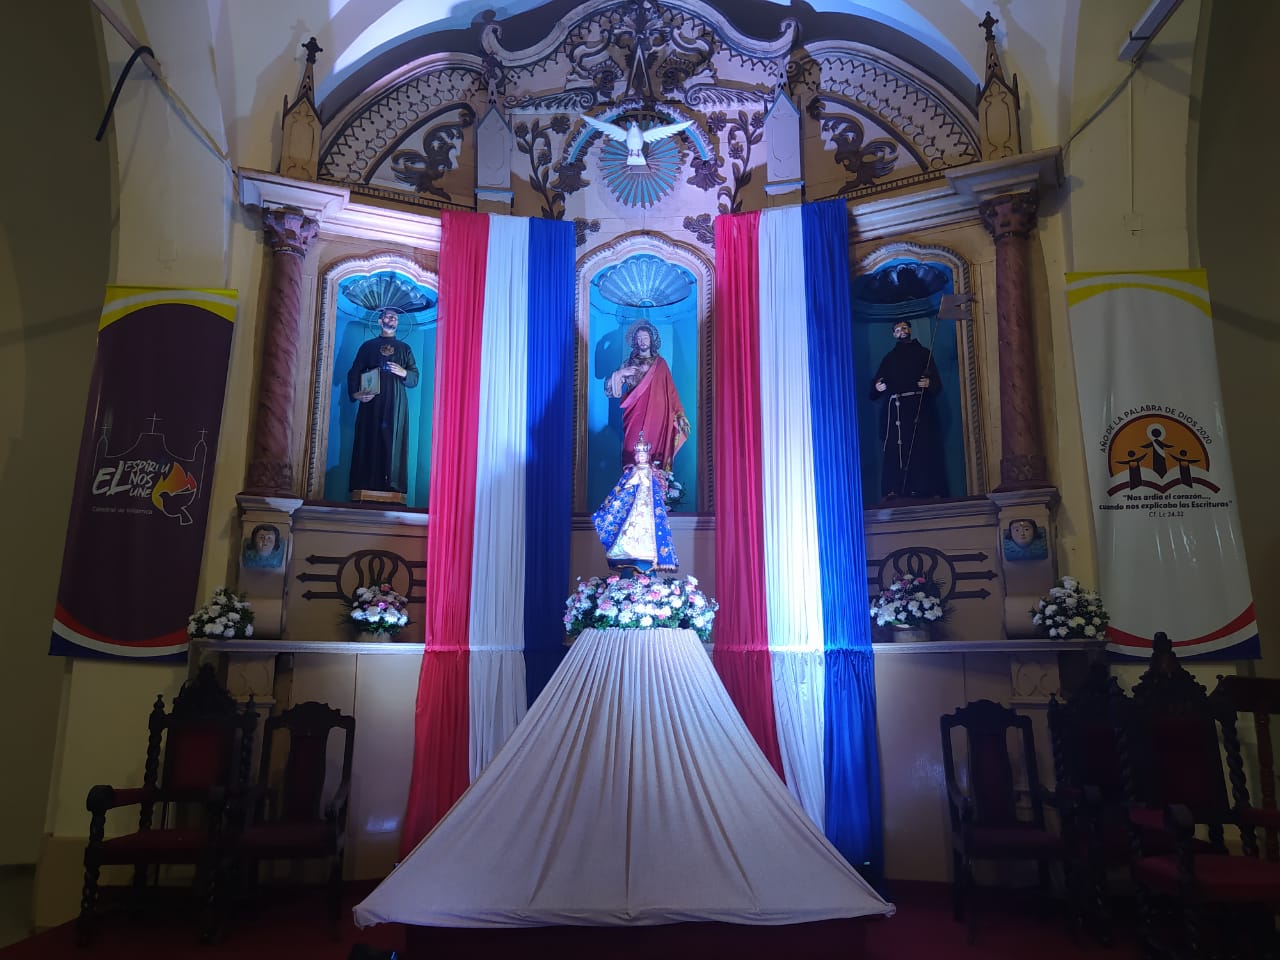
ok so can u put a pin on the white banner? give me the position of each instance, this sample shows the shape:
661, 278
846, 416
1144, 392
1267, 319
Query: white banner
1170, 553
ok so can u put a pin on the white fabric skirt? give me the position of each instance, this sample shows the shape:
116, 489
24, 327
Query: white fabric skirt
631, 793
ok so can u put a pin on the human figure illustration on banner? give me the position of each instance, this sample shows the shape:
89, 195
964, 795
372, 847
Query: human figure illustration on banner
906, 384
632, 521
383, 370
650, 404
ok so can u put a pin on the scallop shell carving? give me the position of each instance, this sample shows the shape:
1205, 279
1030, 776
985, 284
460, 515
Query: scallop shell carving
644, 281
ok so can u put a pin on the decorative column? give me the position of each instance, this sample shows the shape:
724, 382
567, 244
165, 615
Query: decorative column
1010, 220
289, 233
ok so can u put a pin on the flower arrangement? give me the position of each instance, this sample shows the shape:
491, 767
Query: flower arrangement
226, 616
640, 602
907, 602
675, 491
379, 609
1069, 612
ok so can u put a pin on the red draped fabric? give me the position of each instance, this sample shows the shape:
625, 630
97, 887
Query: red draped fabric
653, 408
440, 771
741, 652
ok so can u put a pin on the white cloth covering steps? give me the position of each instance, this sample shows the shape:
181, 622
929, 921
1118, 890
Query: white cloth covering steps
632, 793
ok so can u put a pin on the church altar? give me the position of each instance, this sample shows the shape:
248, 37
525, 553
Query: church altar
518, 135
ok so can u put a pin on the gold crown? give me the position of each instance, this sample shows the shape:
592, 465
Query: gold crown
641, 445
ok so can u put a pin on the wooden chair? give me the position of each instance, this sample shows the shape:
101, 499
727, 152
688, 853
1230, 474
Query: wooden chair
1090, 788
291, 818
1260, 697
1173, 747
984, 817
198, 755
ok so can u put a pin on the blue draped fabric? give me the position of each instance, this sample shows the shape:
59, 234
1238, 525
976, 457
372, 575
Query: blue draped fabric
852, 762
549, 486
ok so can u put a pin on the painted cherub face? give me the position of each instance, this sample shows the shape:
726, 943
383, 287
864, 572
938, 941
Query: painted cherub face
901, 330
264, 541
1022, 532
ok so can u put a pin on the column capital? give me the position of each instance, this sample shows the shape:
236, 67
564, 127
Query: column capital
289, 230
1013, 214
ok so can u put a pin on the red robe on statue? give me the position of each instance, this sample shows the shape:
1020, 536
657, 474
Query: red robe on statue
653, 407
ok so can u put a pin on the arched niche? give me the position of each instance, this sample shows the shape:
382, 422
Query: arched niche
336, 338
961, 368
589, 370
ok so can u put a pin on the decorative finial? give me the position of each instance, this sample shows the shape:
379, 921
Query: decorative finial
994, 70
998, 102
300, 124
988, 24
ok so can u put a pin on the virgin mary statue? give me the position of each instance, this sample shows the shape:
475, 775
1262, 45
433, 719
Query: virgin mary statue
632, 522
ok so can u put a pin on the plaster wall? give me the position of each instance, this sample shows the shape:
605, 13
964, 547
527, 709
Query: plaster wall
1239, 246
55, 234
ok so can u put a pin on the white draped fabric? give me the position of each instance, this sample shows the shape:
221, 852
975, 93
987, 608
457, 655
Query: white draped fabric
496, 668
632, 793
792, 580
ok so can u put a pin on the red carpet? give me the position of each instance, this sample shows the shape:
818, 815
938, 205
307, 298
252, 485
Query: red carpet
295, 925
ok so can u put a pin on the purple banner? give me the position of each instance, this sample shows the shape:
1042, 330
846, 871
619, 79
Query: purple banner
135, 537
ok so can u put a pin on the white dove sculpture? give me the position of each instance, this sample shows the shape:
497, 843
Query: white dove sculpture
634, 137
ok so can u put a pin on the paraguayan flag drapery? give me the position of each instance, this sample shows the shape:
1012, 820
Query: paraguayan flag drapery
793, 635
501, 488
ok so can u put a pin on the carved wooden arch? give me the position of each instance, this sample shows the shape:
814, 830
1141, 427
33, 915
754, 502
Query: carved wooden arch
355, 141
871, 119
611, 254
970, 392
326, 336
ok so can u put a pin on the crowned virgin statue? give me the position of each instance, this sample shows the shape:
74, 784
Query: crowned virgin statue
632, 522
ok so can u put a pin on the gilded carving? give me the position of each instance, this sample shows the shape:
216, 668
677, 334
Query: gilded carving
422, 169
866, 160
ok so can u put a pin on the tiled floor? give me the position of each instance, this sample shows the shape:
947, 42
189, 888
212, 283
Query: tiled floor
15, 903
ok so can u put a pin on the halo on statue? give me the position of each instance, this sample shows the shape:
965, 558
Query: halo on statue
655, 338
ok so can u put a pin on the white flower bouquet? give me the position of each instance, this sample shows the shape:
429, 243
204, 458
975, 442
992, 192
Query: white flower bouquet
1070, 613
908, 602
640, 602
226, 616
379, 609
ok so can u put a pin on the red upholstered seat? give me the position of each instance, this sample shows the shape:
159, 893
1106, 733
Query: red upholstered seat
1221, 878
156, 846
